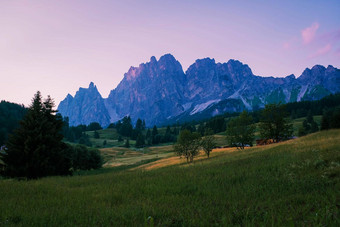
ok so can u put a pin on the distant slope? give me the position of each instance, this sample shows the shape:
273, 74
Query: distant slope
10, 116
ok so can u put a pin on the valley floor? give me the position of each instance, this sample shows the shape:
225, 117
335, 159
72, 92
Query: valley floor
291, 183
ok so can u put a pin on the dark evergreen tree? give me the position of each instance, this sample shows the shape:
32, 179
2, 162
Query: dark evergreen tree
119, 126
308, 125
138, 129
112, 125
126, 127
10, 116
326, 119
127, 143
155, 138
94, 126
36, 148
143, 125
140, 142
314, 127
148, 137
96, 135
201, 129
139, 125
335, 119
84, 158
85, 140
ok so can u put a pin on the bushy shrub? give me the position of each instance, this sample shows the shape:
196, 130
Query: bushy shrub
84, 158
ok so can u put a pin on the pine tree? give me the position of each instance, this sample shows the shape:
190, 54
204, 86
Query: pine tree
96, 135
127, 143
140, 142
36, 148
148, 137
154, 135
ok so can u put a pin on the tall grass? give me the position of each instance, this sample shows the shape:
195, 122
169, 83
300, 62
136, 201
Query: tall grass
290, 183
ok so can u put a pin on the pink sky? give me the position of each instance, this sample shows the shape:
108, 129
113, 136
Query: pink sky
58, 46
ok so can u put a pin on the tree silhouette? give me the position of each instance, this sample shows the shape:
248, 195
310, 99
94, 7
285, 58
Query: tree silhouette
36, 148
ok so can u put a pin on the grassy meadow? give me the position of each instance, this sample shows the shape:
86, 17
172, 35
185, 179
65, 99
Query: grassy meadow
296, 182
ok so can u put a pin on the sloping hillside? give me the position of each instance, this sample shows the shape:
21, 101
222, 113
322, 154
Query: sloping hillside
292, 183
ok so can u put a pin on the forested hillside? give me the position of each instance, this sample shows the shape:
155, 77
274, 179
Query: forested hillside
10, 115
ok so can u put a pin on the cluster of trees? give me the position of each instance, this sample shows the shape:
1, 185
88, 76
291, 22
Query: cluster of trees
274, 123
241, 130
10, 115
317, 107
155, 137
308, 126
273, 126
189, 143
331, 118
84, 158
35, 149
141, 134
77, 134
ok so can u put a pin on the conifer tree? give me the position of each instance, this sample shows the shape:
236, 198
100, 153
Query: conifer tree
140, 142
36, 148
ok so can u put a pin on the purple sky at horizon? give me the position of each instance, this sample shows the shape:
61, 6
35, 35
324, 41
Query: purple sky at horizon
58, 46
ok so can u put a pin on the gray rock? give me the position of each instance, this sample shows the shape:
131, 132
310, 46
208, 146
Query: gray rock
160, 92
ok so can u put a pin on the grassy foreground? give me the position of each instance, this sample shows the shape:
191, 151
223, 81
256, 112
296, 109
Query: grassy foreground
291, 183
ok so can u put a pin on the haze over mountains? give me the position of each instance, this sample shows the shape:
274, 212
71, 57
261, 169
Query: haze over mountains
161, 92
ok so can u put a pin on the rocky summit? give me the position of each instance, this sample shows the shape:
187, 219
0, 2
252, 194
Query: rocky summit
160, 92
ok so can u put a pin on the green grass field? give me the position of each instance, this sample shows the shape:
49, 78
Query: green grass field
290, 183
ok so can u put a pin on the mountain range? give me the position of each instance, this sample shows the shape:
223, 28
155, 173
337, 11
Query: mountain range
160, 92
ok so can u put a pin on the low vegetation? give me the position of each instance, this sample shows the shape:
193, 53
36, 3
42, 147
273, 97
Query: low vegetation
290, 183
294, 182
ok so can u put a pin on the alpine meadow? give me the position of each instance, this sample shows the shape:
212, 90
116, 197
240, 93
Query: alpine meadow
170, 113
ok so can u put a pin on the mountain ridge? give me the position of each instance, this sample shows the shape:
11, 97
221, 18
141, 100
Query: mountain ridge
160, 90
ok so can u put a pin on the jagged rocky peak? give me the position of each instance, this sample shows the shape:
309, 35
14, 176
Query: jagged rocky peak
201, 68
318, 68
331, 69
166, 63
204, 62
237, 67
69, 96
169, 63
291, 77
92, 88
159, 90
167, 58
316, 73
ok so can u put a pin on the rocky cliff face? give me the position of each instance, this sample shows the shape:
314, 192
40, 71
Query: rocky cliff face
85, 107
159, 91
154, 90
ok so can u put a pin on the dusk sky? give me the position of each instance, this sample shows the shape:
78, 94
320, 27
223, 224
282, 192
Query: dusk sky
58, 46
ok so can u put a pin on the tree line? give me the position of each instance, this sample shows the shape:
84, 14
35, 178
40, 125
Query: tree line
10, 115
143, 136
35, 149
